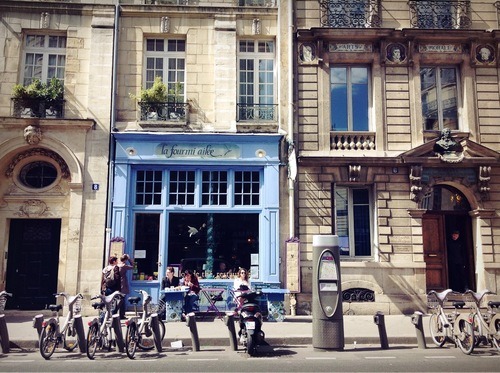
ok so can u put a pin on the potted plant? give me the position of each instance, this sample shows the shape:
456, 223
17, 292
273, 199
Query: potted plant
39, 97
152, 99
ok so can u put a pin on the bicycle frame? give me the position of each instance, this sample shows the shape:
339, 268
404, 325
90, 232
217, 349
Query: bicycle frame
484, 323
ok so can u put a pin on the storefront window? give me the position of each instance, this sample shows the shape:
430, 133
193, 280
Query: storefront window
146, 244
214, 244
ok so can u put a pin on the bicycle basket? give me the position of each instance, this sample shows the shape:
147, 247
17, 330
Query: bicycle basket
156, 308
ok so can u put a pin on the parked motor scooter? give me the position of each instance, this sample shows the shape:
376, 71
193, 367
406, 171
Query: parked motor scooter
250, 333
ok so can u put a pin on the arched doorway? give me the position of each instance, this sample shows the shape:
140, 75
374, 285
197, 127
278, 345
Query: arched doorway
449, 256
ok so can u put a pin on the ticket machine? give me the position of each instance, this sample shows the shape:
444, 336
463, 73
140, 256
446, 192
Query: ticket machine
328, 321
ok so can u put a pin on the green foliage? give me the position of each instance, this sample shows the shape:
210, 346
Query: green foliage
156, 93
51, 91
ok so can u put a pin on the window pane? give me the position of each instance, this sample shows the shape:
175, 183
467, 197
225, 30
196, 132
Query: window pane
449, 96
147, 238
342, 219
339, 99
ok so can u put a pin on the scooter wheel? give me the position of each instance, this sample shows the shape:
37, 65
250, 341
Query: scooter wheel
251, 347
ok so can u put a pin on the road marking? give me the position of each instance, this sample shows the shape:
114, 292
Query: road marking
441, 357
490, 357
17, 361
321, 358
380, 357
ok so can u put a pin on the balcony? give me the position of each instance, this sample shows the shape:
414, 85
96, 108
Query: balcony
37, 108
259, 3
440, 14
168, 2
352, 141
350, 13
256, 112
164, 111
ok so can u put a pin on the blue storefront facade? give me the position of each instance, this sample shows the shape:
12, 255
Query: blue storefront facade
206, 202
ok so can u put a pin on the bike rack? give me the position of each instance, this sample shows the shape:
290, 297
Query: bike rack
117, 327
4, 335
379, 320
229, 321
80, 333
156, 328
37, 324
191, 323
416, 320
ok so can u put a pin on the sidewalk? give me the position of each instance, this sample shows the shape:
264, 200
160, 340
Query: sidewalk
296, 330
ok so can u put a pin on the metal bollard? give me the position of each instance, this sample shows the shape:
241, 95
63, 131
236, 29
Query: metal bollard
416, 319
229, 321
379, 320
4, 335
37, 324
191, 322
80, 333
117, 327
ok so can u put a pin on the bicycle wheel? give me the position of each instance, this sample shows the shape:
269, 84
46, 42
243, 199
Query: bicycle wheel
495, 327
146, 341
48, 341
70, 338
92, 341
437, 330
131, 339
465, 338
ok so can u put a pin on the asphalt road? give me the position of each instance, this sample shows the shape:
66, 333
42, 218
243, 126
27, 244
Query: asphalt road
271, 359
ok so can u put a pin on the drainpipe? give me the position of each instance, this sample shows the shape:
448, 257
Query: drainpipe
291, 129
112, 142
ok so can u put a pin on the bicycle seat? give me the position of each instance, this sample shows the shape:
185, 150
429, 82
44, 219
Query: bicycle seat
55, 307
493, 304
478, 296
441, 296
134, 300
99, 305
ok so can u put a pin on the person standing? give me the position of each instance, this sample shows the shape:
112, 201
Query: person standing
241, 285
457, 274
110, 280
123, 267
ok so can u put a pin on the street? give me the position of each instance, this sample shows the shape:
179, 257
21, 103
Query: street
301, 358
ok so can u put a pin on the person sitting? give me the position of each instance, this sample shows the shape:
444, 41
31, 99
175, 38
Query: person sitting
169, 281
191, 298
241, 285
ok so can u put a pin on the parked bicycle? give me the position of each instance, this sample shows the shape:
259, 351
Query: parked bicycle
4, 333
486, 325
100, 334
455, 326
147, 331
52, 334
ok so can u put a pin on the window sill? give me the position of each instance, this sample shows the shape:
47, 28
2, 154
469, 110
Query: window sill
249, 127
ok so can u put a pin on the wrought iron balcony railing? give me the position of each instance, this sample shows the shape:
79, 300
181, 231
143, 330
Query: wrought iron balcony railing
257, 112
350, 13
168, 2
260, 3
440, 14
352, 140
165, 111
37, 108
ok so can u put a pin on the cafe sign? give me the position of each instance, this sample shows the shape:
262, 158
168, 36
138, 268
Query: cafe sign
197, 151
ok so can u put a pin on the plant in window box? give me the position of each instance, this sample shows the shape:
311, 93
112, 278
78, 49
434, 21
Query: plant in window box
39, 99
152, 100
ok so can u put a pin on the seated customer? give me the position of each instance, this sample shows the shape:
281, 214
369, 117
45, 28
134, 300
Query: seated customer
168, 281
191, 298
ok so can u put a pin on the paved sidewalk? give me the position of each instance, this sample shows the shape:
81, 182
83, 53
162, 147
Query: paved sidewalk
296, 330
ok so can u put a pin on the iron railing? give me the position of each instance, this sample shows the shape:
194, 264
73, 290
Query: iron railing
165, 111
350, 13
37, 108
256, 112
169, 2
440, 14
261, 3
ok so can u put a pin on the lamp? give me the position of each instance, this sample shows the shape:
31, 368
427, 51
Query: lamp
260, 153
131, 151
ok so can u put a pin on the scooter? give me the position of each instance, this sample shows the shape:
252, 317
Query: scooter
250, 333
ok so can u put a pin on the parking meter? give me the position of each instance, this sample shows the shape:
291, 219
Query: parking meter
328, 321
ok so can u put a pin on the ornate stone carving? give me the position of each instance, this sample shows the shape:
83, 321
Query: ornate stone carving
354, 172
33, 207
256, 27
447, 149
39, 152
45, 20
33, 134
165, 25
484, 182
416, 182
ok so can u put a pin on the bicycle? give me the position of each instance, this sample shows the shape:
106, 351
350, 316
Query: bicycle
100, 334
486, 325
4, 333
455, 326
140, 331
52, 334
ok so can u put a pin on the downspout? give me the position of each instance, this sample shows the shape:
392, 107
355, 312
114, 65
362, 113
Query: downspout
291, 129
112, 142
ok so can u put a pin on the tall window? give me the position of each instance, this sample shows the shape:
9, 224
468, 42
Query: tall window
353, 223
439, 98
256, 80
44, 57
166, 58
349, 89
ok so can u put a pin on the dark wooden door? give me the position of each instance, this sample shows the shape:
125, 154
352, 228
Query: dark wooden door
435, 251
33, 261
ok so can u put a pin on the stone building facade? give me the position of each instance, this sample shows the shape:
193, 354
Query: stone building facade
397, 121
